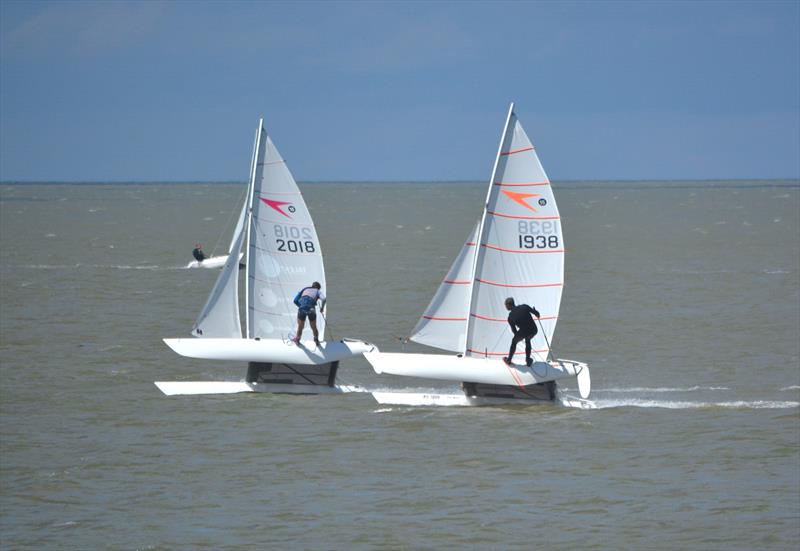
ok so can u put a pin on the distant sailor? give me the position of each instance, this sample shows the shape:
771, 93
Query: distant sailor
198, 253
306, 302
520, 318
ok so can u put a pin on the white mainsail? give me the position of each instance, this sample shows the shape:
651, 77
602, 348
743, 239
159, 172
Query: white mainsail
283, 253
520, 252
443, 323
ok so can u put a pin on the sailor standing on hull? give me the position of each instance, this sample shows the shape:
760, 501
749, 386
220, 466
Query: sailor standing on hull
306, 302
520, 318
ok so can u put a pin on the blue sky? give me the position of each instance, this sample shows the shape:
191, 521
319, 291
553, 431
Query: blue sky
122, 91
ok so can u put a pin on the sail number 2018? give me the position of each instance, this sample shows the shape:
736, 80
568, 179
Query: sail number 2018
538, 234
293, 239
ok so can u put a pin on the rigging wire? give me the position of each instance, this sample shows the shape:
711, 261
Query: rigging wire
227, 223
550, 353
327, 326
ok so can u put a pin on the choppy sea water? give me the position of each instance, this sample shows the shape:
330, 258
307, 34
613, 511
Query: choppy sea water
684, 298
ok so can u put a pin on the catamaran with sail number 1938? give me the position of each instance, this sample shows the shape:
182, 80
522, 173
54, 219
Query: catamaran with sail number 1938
516, 249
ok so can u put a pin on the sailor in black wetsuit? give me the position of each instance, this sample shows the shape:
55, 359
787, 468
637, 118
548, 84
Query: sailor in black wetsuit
198, 253
522, 325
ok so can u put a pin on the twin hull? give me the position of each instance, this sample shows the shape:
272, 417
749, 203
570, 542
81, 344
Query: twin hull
479, 370
269, 350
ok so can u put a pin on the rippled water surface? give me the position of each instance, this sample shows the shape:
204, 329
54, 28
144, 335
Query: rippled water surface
684, 298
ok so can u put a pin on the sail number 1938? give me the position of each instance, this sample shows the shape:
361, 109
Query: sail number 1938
538, 234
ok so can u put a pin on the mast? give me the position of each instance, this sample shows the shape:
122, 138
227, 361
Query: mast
479, 235
248, 221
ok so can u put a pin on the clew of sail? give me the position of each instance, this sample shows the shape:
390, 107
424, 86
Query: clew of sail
284, 255
520, 252
444, 322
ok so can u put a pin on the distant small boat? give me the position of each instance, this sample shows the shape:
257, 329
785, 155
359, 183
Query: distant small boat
220, 260
211, 262
283, 255
516, 249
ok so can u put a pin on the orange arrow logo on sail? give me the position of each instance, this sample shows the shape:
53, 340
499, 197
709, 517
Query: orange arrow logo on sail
519, 198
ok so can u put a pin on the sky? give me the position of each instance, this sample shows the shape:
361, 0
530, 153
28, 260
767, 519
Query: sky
162, 91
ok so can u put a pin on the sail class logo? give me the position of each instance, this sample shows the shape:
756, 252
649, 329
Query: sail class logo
520, 198
278, 206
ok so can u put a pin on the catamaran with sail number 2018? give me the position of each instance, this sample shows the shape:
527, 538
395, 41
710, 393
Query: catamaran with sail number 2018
283, 255
516, 249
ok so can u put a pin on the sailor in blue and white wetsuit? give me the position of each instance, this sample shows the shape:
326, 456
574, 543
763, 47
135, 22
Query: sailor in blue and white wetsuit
306, 301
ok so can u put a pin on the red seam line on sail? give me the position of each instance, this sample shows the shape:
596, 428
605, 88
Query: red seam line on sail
487, 318
516, 151
524, 217
457, 282
434, 318
500, 353
520, 250
522, 184
510, 285
470, 244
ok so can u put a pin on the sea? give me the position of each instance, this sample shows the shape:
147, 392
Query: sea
683, 297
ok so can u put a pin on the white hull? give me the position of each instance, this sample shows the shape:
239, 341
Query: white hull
461, 400
182, 388
479, 370
211, 262
268, 350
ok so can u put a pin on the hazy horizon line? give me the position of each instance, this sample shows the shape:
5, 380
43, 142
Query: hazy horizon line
369, 181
